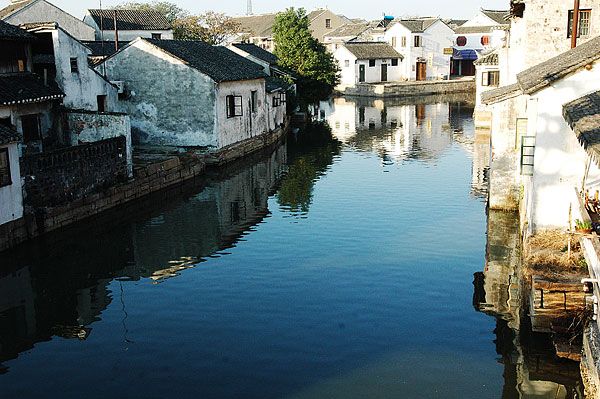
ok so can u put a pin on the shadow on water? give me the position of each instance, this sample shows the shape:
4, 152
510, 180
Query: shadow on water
531, 367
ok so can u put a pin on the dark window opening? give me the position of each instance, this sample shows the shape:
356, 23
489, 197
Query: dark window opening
491, 78
371, 63
13, 57
585, 17
461, 41
254, 100
234, 106
5, 178
31, 128
74, 66
394, 61
276, 101
328, 23
418, 41
157, 36
101, 99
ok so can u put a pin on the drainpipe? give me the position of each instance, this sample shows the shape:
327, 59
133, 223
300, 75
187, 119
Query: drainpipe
116, 32
575, 31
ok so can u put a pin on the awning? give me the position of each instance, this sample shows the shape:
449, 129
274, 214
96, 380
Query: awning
465, 55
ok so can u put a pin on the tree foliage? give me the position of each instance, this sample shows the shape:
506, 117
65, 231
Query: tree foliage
299, 51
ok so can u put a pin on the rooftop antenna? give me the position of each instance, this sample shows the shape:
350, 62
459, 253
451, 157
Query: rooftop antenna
249, 8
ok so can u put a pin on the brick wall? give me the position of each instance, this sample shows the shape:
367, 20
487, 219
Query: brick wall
66, 175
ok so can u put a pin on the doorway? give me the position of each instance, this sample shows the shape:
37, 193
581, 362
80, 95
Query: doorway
384, 72
421, 71
361, 73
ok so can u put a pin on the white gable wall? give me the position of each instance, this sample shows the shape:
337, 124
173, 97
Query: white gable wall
480, 20
42, 11
11, 196
349, 74
559, 158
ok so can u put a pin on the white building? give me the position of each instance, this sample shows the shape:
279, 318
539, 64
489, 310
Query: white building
480, 35
368, 62
424, 44
34, 11
345, 33
190, 94
11, 191
536, 160
130, 25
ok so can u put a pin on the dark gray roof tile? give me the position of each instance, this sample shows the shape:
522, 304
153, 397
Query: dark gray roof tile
24, 88
501, 94
499, 16
257, 52
8, 135
11, 32
130, 19
372, 50
583, 115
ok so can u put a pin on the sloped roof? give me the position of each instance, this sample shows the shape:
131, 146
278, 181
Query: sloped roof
8, 135
417, 25
274, 84
13, 8
349, 30
11, 32
219, 63
130, 19
489, 59
257, 52
455, 23
24, 88
583, 115
257, 25
466, 30
542, 75
499, 16
372, 50
101, 49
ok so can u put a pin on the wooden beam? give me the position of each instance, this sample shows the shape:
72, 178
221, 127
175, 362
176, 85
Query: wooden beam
575, 30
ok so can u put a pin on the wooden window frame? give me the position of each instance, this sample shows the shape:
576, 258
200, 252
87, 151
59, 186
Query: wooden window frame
157, 36
490, 78
586, 11
276, 101
372, 63
234, 109
328, 23
254, 101
403, 41
394, 62
6, 179
418, 41
485, 40
283, 98
74, 65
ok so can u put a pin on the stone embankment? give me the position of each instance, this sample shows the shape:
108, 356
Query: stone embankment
149, 178
407, 89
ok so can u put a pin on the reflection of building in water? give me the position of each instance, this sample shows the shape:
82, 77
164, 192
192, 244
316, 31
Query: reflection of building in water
50, 289
531, 369
481, 164
398, 129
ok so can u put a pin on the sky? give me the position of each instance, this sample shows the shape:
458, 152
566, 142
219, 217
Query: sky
373, 9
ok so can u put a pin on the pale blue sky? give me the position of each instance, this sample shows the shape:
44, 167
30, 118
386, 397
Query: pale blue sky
351, 8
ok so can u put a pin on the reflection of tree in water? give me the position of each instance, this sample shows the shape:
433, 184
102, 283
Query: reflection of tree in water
310, 153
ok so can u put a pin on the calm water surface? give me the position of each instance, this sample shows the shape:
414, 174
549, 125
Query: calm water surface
333, 267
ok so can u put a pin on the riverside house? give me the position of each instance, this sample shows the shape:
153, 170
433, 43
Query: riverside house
191, 94
368, 62
20, 12
130, 24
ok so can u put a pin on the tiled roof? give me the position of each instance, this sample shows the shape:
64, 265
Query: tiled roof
455, 23
24, 88
541, 75
372, 50
103, 50
349, 30
11, 32
130, 19
8, 135
417, 25
257, 25
12, 8
501, 94
499, 16
257, 52
274, 84
467, 30
489, 59
220, 63
583, 115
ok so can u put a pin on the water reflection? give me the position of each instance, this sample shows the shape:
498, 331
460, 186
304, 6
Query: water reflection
531, 368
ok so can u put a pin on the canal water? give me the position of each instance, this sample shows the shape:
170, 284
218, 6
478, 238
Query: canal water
350, 262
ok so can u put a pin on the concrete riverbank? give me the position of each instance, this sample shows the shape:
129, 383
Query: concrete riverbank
160, 173
410, 89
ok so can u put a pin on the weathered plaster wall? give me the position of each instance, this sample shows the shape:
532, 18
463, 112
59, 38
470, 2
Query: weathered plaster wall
86, 127
250, 124
350, 74
42, 11
11, 197
318, 25
275, 115
129, 35
559, 158
82, 88
169, 102
45, 110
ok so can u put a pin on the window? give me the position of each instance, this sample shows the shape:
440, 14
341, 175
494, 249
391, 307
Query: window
485, 40
394, 41
347, 63
371, 63
461, 41
394, 61
31, 128
254, 101
74, 66
403, 41
21, 65
491, 78
5, 179
157, 36
234, 106
328, 23
283, 98
276, 101
418, 41
101, 100
585, 17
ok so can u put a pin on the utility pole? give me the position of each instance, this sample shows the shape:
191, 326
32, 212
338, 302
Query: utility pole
575, 31
116, 32
249, 8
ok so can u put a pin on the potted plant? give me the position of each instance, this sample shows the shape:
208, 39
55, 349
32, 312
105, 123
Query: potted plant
583, 227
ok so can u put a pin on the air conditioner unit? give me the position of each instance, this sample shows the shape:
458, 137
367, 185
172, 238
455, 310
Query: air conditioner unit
120, 84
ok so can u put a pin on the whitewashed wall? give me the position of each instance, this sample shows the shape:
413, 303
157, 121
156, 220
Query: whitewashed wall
350, 74
130, 35
11, 197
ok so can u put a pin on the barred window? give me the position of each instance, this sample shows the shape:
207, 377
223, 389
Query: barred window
585, 17
491, 78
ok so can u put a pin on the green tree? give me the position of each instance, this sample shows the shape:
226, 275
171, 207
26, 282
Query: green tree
299, 51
